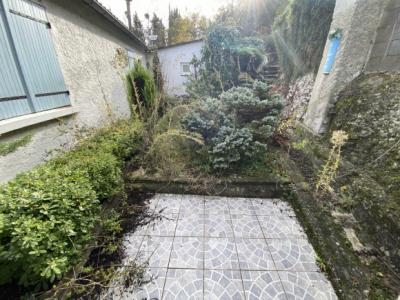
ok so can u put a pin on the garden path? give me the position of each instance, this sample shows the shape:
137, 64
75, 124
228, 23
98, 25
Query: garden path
225, 248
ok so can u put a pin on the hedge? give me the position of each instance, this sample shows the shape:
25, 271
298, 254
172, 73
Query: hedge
47, 215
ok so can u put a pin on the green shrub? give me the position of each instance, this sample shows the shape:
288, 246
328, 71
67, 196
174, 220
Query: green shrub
141, 90
237, 125
103, 169
254, 108
233, 148
226, 54
47, 215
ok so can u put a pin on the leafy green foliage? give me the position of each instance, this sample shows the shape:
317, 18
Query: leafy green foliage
47, 215
233, 148
225, 56
300, 33
141, 90
9, 147
185, 28
257, 108
237, 125
138, 27
158, 29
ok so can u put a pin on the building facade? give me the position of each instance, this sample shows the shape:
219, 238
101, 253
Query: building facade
175, 64
370, 42
62, 64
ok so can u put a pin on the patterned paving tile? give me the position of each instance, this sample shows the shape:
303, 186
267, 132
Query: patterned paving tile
156, 251
271, 207
190, 225
216, 206
163, 227
241, 206
169, 204
192, 204
262, 285
223, 285
307, 285
152, 202
246, 226
220, 253
218, 226
254, 254
131, 245
187, 252
184, 284
280, 226
224, 254
293, 255
152, 289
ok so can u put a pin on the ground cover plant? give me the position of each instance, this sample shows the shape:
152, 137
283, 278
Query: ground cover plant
47, 215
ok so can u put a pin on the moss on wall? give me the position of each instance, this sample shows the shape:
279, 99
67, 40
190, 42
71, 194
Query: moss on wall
366, 190
9, 147
355, 274
369, 111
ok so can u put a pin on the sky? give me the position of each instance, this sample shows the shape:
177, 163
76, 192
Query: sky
207, 8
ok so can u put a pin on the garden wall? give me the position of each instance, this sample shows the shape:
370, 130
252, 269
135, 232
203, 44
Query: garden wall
359, 21
86, 44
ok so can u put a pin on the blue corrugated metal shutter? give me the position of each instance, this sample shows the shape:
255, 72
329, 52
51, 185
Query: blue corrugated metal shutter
36, 56
13, 96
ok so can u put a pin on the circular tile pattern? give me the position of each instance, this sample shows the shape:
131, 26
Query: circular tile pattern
246, 226
220, 253
187, 252
294, 255
223, 285
263, 285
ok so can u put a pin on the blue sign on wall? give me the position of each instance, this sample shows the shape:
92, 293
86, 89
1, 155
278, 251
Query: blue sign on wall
330, 60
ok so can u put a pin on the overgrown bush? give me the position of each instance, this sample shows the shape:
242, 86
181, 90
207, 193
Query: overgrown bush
237, 125
225, 56
141, 90
47, 218
47, 215
233, 148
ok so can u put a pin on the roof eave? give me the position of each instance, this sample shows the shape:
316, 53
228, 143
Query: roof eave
113, 19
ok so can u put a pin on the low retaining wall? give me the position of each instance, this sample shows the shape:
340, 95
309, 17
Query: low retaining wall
249, 188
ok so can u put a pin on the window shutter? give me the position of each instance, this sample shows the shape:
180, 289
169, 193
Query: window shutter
13, 97
36, 56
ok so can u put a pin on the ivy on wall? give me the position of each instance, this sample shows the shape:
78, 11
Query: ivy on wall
300, 34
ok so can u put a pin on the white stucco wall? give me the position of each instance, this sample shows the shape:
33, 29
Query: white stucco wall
359, 20
171, 59
86, 45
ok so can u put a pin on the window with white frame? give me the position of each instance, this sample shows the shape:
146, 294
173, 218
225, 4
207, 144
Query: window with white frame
185, 69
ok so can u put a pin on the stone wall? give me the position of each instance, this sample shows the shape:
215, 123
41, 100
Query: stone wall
298, 97
86, 44
385, 55
359, 20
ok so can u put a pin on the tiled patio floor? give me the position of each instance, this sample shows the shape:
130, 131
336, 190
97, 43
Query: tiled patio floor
225, 248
